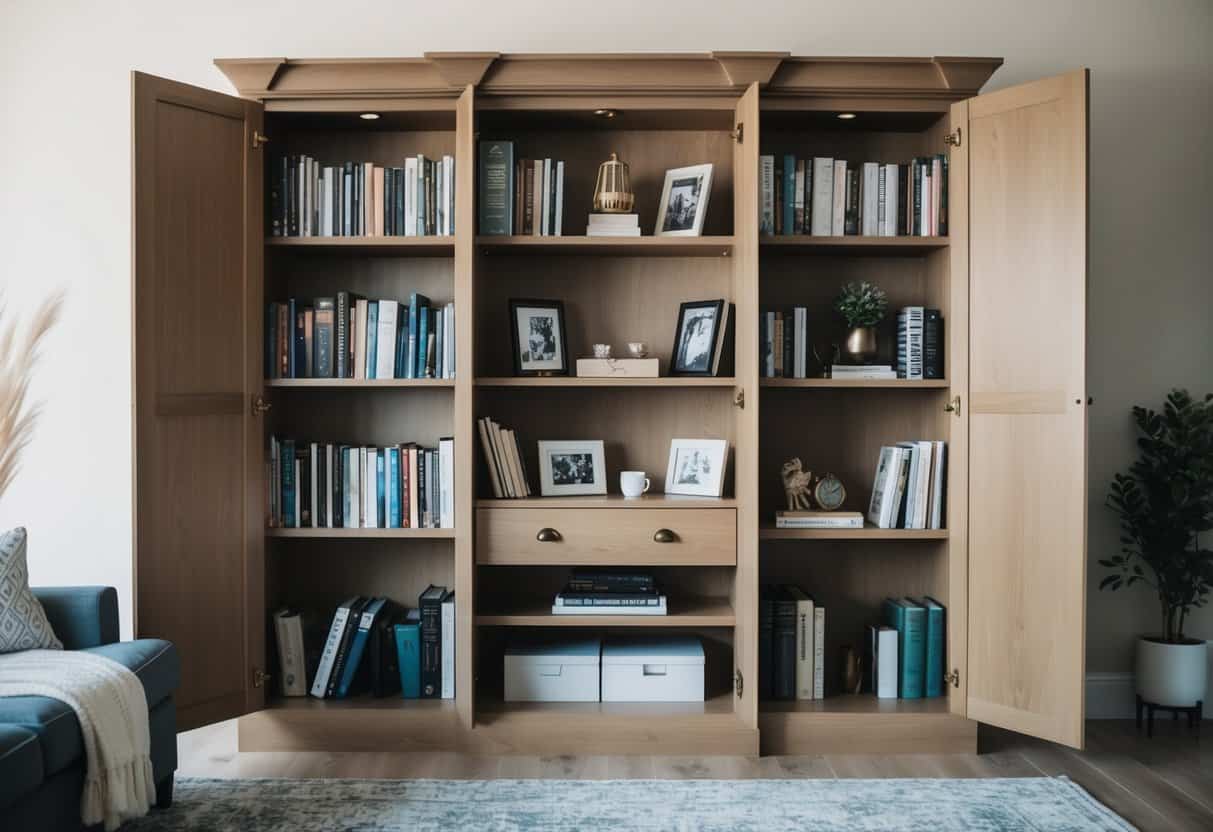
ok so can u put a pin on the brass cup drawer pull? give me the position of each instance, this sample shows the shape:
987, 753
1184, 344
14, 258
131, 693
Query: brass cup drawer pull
664, 536
548, 535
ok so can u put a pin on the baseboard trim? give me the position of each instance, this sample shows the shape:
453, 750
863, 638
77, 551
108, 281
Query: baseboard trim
1111, 696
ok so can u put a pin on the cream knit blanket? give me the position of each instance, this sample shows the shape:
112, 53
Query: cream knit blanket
109, 702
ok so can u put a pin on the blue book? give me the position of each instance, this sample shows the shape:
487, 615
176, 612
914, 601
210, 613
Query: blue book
402, 347
423, 340
936, 641
372, 338
358, 646
286, 460
393, 487
381, 492
789, 193
910, 621
291, 347
416, 303
408, 654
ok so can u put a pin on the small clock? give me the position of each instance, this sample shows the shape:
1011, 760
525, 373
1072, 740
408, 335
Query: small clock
829, 492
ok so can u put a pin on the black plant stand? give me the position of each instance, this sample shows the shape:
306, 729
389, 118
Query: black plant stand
1195, 714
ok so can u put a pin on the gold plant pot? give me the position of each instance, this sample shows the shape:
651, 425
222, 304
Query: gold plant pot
860, 346
613, 190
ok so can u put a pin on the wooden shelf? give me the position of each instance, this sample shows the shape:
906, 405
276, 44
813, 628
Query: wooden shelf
362, 723
359, 383
721, 246
611, 501
867, 246
863, 724
842, 383
391, 246
362, 534
769, 532
859, 703
578, 381
365, 702
684, 612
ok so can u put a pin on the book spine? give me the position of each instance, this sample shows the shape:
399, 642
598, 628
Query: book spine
935, 652
804, 649
819, 652
913, 647
932, 344
496, 186
343, 652
324, 317
784, 637
329, 655
408, 657
789, 194
838, 205
822, 221
448, 647
766, 204
431, 648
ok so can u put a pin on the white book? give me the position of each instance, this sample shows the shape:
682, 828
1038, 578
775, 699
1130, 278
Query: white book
364, 517
869, 214
450, 336
804, 643
326, 202
558, 211
822, 222
766, 198
446, 468
838, 215
936, 194
923, 509
891, 201
350, 510
840, 520
450, 211
911, 489
843, 369
328, 491
410, 196
288, 627
802, 342
385, 341
314, 484
883, 661
360, 315
620, 232
926, 208
657, 609
448, 646
939, 471
614, 221
798, 194
329, 655
819, 652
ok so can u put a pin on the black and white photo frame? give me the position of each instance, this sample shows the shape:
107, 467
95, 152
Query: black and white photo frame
697, 338
684, 201
696, 467
572, 467
538, 337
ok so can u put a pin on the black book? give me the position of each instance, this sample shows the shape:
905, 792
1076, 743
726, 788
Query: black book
322, 336
766, 655
784, 645
903, 185
343, 650
597, 580
278, 187
932, 344
300, 345
916, 219
789, 342
430, 604
851, 217
943, 195
401, 181
381, 658
303, 464
292, 196
337, 484
320, 510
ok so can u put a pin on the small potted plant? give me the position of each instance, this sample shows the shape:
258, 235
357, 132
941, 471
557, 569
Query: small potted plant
1164, 503
862, 305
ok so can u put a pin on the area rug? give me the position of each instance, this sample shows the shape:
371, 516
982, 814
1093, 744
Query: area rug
1041, 804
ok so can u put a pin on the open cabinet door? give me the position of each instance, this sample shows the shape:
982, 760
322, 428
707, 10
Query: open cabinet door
197, 273
1027, 188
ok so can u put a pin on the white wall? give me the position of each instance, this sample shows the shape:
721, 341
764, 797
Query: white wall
65, 197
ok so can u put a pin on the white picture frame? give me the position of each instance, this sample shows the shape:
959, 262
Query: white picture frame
572, 467
696, 467
684, 201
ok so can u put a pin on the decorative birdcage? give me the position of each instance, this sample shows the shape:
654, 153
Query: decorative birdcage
613, 190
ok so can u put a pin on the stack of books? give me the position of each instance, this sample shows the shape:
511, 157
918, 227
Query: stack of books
906, 654
791, 644
519, 196
827, 197
909, 491
347, 336
613, 225
318, 485
504, 460
919, 343
596, 592
784, 343
362, 199
863, 371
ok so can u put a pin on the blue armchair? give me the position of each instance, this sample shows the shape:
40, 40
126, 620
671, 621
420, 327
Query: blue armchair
41, 748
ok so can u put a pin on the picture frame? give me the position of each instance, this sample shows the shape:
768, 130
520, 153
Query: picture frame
697, 338
572, 467
684, 201
697, 467
538, 337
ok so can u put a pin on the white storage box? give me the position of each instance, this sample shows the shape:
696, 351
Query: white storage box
552, 672
652, 670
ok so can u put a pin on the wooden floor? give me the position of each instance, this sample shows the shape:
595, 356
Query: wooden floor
1164, 783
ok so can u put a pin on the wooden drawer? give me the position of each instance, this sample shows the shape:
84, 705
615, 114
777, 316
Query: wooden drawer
607, 536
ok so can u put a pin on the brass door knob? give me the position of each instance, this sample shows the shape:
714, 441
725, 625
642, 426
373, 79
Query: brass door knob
664, 536
260, 405
548, 535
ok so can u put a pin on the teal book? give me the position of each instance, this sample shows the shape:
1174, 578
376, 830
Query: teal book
910, 621
417, 302
381, 491
423, 340
393, 487
408, 653
789, 193
936, 641
372, 339
353, 662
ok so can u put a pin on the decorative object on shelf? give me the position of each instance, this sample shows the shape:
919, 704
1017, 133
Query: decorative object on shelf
571, 467
851, 678
696, 467
633, 483
862, 305
602, 350
835, 357
796, 482
540, 345
1160, 526
684, 201
700, 338
613, 190
617, 367
829, 493
638, 349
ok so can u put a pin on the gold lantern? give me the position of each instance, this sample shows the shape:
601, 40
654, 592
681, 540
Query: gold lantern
613, 192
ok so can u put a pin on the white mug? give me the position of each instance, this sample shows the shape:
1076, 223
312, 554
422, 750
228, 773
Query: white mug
633, 483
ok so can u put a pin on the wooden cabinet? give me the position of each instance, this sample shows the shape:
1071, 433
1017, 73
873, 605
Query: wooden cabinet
1009, 279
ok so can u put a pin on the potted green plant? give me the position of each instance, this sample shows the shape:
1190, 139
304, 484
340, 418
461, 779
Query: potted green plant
862, 305
1164, 503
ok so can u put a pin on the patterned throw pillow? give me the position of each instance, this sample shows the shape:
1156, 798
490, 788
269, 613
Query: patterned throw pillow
23, 624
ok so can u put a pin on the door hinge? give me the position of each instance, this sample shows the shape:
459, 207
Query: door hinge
952, 139
259, 139
738, 682
739, 133
260, 677
952, 678
953, 406
739, 399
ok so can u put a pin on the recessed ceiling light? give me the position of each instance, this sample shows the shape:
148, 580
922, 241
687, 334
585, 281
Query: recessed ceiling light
605, 113
368, 116
846, 116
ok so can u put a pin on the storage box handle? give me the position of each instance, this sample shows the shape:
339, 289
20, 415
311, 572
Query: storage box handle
654, 670
549, 669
